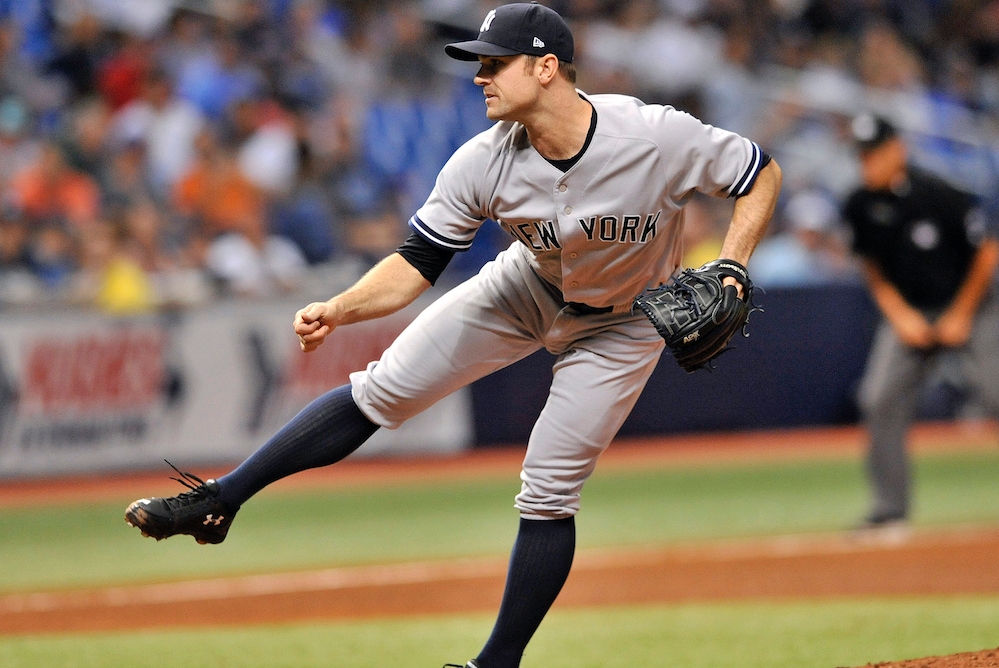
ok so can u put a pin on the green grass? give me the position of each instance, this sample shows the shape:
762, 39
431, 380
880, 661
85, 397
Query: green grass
80, 545
90, 545
744, 635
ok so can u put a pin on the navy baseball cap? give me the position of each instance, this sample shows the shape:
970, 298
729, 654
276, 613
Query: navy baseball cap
522, 27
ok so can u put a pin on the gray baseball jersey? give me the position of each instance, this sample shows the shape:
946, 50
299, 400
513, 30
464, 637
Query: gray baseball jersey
611, 226
598, 235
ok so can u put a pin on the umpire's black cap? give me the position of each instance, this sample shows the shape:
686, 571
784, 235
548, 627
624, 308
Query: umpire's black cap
870, 131
521, 27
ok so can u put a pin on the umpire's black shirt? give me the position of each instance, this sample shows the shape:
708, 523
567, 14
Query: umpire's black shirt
923, 235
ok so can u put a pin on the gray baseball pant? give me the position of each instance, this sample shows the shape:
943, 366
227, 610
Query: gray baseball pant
501, 315
890, 392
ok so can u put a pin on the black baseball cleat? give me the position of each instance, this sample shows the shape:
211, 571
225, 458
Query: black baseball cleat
470, 664
197, 512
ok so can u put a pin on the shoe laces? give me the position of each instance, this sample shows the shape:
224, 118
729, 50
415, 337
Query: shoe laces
197, 487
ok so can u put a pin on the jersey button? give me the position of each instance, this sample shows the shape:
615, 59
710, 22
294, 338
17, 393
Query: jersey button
568, 209
575, 284
562, 188
573, 255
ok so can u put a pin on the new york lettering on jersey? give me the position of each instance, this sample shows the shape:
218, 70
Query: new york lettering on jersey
633, 229
542, 235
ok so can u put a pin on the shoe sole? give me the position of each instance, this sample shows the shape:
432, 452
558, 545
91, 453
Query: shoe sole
135, 516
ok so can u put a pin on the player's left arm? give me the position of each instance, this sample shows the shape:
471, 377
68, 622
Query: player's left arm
751, 215
953, 327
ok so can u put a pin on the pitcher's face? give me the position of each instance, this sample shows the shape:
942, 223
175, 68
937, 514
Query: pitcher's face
510, 87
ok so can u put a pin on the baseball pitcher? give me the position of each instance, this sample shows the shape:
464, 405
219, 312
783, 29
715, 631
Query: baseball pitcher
591, 189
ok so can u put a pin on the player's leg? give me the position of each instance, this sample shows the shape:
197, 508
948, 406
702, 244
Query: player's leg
452, 343
439, 352
324, 432
489, 322
461, 337
595, 387
888, 396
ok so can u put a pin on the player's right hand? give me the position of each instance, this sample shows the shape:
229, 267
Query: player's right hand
313, 324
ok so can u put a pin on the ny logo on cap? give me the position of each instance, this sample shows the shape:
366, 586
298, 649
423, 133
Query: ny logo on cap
488, 21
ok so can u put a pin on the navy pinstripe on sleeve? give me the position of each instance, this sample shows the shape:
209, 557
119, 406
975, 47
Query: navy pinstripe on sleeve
759, 160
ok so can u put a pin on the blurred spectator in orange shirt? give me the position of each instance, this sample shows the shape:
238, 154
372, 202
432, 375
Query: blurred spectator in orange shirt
51, 191
232, 214
216, 194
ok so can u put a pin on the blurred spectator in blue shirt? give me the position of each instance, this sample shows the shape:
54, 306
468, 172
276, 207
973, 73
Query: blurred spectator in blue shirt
219, 78
33, 20
305, 215
54, 257
23, 79
809, 249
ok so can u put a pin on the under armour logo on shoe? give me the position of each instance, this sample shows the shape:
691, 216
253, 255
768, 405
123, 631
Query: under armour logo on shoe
538, 44
214, 521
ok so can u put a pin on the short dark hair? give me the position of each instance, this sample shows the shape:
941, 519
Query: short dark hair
565, 68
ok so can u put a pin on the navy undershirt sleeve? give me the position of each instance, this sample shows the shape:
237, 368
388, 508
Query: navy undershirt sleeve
430, 260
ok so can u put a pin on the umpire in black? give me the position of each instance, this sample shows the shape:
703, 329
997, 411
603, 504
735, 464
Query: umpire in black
928, 258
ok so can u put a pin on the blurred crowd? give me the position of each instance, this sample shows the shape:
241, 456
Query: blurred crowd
167, 153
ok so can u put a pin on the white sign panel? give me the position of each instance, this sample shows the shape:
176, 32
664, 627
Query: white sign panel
80, 392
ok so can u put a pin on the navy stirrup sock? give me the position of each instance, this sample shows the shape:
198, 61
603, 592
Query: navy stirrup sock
323, 433
539, 566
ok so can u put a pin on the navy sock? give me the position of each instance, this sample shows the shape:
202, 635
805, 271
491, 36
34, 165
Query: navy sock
323, 433
539, 565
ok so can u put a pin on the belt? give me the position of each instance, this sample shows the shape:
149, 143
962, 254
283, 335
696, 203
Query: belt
578, 307
586, 309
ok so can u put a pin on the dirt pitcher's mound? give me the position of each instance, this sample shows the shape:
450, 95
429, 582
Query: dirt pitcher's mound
984, 659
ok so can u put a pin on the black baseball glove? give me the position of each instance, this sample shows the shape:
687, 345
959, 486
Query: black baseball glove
697, 315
